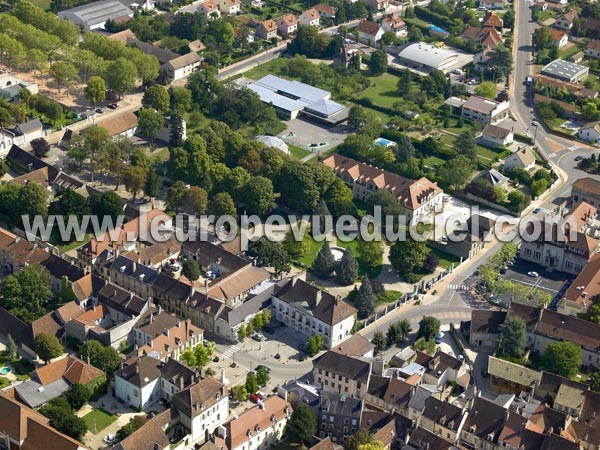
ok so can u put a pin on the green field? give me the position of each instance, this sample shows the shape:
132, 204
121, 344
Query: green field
298, 152
272, 67
97, 420
44, 4
445, 259
383, 90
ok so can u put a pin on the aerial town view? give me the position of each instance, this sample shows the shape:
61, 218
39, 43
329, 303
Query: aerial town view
293, 225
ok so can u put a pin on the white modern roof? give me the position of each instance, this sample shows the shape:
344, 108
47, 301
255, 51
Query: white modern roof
426, 54
273, 141
295, 89
97, 12
278, 101
563, 69
325, 107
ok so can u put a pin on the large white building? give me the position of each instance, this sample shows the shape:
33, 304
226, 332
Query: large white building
94, 15
425, 57
312, 311
485, 110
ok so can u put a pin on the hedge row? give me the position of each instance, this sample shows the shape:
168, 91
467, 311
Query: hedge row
425, 14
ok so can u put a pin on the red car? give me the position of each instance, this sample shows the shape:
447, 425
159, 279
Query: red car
255, 398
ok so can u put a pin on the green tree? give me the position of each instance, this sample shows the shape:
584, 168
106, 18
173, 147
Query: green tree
40, 147
513, 337
176, 129
314, 344
150, 123
152, 187
346, 269
78, 395
181, 98
95, 91
33, 201
378, 62
465, 144
135, 180
538, 187
241, 333
516, 199
47, 346
12, 351
108, 204
222, 205
398, 332
296, 248
270, 254
324, 264
26, 292
594, 380
455, 173
262, 376
251, 382
190, 269
486, 89
258, 195
407, 257
365, 299
590, 112
104, 358
121, 76
64, 73
200, 356
302, 425
429, 326
370, 253
130, 427
239, 393
156, 97
356, 440
562, 358
404, 329
378, 341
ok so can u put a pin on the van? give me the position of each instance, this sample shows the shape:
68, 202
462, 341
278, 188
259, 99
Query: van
457, 72
529, 80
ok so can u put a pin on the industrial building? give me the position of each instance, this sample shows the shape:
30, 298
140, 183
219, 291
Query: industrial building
566, 71
425, 57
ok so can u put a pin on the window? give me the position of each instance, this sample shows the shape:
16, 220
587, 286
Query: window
346, 421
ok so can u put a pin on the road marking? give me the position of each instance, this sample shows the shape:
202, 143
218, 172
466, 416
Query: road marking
458, 287
552, 155
534, 285
231, 351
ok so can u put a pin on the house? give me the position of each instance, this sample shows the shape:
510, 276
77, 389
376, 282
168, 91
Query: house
590, 132
593, 49
523, 158
566, 20
210, 9
343, 374
123, 36
421, 439
509, 378
309, 17
287, 24
487, 37
566, 71
564, 242
310, 310
394, 24
146, 380
267, 30
150, 436
261, 425
485, 110
577, 57
10, 86
357, 346
369, 33
584, 290
442, 368
182, 66
377, 5
494, 4
591, 26
338, 416
485, 328
442, 418
230, 7
124, 124
202, 407
425, 57
418, 197
20, 134
325, 11
54, 379
586, 190
565, 394
495, 136
559, 38
326, 444
491, 19
484, 423
93, 16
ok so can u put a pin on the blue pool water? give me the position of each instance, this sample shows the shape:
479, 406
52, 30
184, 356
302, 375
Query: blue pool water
437, 29
382, 142
5, 371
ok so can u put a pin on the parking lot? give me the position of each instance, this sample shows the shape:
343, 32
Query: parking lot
547, 281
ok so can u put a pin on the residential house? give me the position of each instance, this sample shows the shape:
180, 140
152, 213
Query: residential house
491, 19
593, 49
484, 423
487, 37
210, 9
129, 273
485, 328
357, 346
494, 4
175, 376
394, 24
524, 158
566, 20
421, 439
267, 30
202, 407
566, 395
369, 33
512, 432
442, 368
419, 197
124, 124
20, 134
586, 190
583, 291
495, 136
559, 38
55, 378
342, 374
230, 7
150, 436
377, 5
325, 11
310, 311
509, 378
485, 110
339, 415
564, 243
181, 67
591, 25
442, 418
392, 393
326, 444
309, 17
287, 24
590, 132
258, 427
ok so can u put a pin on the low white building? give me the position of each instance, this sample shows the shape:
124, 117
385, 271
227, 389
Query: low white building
524, 158
20, 134
485, 110
310, 17
590, 132
312, 311
494, 136
229, 6
202, 407
93, 16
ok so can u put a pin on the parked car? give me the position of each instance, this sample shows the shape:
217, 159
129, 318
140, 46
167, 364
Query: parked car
212, 275
259, 337
254, 398
578, 158
267, 369
533, 274
535, 123
99, 110
113, 105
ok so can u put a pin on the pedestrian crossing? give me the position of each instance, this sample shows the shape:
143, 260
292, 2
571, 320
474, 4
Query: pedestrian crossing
231, 351
552, 155
458, 287
544, 211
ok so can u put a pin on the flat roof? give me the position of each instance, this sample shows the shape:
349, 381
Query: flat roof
302, 91
563, 69
426, 54
98, 12
279, 101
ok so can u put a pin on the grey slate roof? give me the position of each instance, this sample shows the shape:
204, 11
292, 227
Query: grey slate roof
353, 368
33, 394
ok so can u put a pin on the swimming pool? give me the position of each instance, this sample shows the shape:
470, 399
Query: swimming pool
5, 371
437, 29
382, 142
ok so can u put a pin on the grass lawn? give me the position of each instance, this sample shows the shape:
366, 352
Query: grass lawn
383, 90
308, 258
485, 153
370, 271
415, 21
433, 161
270, 67
44, 4
568, 52
446, 259
425, 346
4, 382
75, 244
97, 420
298, 152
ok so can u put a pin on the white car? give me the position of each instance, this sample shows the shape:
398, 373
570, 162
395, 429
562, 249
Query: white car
533, 274
535, 123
